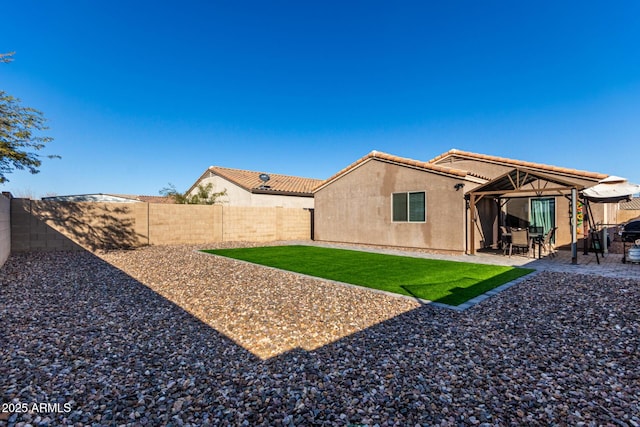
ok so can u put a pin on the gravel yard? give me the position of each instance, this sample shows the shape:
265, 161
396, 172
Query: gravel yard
169, 336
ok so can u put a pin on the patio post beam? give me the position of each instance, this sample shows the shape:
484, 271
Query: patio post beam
522, 183
574, 235
472, 250
516, 191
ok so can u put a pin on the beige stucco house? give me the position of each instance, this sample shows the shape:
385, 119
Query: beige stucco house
455, 202
247, 188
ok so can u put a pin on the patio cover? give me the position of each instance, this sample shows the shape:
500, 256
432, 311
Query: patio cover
523, 182
611, 190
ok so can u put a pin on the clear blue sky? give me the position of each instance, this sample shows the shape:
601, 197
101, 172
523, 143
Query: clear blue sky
142, 93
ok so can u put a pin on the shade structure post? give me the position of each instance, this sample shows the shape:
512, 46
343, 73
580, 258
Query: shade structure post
605, 234
472, 225
574, 232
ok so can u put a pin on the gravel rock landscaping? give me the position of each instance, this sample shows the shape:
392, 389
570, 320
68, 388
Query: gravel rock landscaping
170, 336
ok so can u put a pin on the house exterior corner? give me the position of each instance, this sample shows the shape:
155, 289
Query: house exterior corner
358, 207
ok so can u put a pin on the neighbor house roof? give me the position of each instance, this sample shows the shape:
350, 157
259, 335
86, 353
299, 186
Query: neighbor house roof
277, 184
157, 199
112, 198
402, 161
459, 154
632, 205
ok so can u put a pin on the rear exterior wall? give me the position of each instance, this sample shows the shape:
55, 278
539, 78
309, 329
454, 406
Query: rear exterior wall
356, 208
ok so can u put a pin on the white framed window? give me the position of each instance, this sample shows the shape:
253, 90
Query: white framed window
409, 207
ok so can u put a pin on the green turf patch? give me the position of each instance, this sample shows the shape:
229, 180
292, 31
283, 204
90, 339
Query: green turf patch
448, 282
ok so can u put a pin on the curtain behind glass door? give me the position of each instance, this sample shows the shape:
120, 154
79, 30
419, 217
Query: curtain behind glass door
543, 213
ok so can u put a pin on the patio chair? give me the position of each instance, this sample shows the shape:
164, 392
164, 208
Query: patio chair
519, 240
505, 239
547, 244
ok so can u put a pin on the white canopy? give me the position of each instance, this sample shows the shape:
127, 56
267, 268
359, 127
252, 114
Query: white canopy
612, 189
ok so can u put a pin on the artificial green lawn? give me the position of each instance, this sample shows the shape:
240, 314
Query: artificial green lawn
447, 282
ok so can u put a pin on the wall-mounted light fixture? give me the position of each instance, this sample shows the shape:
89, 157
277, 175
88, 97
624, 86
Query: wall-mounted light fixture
459, 186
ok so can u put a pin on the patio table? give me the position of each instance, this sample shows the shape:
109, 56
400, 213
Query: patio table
535, 238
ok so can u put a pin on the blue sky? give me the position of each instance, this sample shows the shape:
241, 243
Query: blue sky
140, 94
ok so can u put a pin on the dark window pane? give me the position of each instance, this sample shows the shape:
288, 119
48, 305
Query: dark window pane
416, 207
517, 213
400, 206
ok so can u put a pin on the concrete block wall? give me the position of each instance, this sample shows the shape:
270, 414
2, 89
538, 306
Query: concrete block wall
30, 231
265, 224
38, 225
5, 229
182, 224
258, 224
45, 226
249, 224
293, 224
627, 215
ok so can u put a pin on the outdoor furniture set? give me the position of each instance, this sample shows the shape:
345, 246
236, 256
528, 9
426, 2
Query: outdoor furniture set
527, 238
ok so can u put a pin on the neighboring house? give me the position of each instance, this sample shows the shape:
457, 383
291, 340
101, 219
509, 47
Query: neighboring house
383, 199
109, 198
247, 188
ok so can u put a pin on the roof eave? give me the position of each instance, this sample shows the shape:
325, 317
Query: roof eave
574, 173
280, 193
413, 164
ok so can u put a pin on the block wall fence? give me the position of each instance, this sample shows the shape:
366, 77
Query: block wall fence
5, 228
627, 215
46, 226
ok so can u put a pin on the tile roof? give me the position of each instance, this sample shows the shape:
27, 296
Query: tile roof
278, 184
530, 165
389, 158
157, 199
632, 205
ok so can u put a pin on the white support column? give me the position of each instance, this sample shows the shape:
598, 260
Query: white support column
605, 227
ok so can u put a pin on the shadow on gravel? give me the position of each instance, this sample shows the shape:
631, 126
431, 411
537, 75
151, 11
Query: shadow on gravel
537, 355
79, 331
